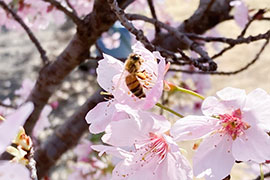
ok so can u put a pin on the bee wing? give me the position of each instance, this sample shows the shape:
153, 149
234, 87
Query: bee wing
119, 80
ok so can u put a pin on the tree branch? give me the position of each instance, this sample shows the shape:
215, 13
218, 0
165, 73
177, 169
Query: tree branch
72, 15
198, 23
72, 8
77, 51
182, 38
153, 12
64, 137
231, 72
30, 34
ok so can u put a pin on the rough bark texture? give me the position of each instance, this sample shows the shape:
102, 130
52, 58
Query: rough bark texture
208, 15
51, 76
65, 137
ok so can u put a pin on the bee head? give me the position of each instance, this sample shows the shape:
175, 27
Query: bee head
135, 57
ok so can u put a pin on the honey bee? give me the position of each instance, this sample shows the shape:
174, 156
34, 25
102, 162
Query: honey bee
132, 66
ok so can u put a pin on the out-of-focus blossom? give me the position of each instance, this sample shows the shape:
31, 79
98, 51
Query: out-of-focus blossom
25, 89
200, 82
88, 167
82, 7
43, 121
13, 171
37, 14
146, 149
54, 104
83, 150
241, 16
114, 82
255, 168
235, 128
118, 45
111, 41
10, 126
89, 171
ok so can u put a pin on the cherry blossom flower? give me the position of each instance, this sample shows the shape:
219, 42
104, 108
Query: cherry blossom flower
114, 82
152, 83
234, 127
13, 171
146, 149
10, 126
111, 40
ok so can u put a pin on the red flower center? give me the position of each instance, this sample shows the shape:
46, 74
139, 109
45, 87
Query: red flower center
233, 124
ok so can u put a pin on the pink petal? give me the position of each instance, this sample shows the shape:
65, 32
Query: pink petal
212, 106
253, 145
122, 133
10, 126
213, 158
106, 70
100, 116
115, 151
155, 93
175, 167
258, 105
83, 149
13, 171
232, 94
231, 99
193, 127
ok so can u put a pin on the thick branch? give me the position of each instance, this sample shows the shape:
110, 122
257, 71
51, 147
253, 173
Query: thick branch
27, 30
65, 137
203, 19
51, 76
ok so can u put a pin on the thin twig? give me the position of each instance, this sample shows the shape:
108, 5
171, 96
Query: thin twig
231, 41
72, 8
230, 72
154, 15
28, 31
139, 33
32, 165
265, 176
181, 37
240, 36
7, 105
71, 15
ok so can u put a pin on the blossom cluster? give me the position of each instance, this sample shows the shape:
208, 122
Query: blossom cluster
233, 126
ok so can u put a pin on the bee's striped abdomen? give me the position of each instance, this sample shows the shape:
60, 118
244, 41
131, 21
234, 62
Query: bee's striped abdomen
134, 86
